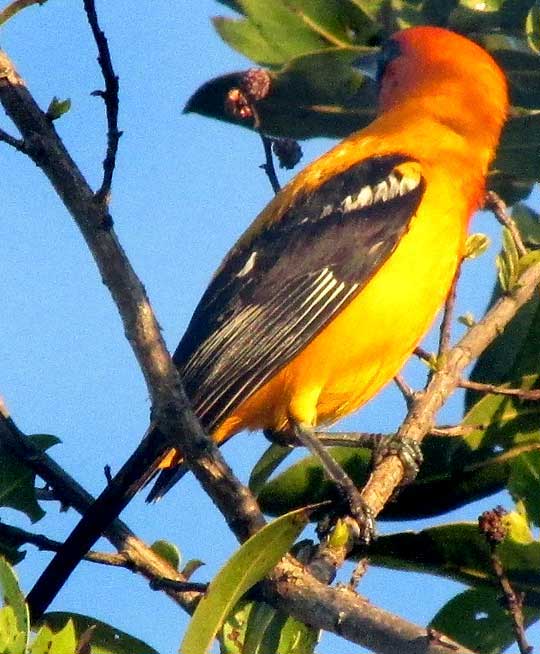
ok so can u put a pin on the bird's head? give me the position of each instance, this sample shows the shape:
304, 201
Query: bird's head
437, 66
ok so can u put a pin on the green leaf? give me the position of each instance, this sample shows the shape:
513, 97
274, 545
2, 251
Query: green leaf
232, 634
528, 222
15, 612
524, 484
57, 108
521, 68
243, 36
319, 94
12, 639
272, 458
191, 567
273, 32
459, 551
51, 641
257, 628
532, 27
296, 637
168, 551
306, 483
105, 638
246, 567
517, 165
17, 480
455, 471
476, 245
507, 262
282, 25
477, 620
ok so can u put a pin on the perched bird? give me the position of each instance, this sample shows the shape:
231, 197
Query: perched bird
325, 296
322, 300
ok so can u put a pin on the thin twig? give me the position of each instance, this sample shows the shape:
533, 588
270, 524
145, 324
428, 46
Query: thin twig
268, 166
18, 144
110, 97
407, 391
423, 354
521, 393
492, 526
19, 537
179, 586
497, 205
513, 603
448, 315
454, 431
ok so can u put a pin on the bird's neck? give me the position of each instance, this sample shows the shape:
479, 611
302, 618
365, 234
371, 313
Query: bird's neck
443, 123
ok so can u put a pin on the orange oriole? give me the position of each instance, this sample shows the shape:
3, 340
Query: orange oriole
321, 301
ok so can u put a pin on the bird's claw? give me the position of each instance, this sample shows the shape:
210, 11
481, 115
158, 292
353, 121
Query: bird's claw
407, 450
362, 523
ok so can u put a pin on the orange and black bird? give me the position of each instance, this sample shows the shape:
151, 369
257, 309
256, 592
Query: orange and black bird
322, 300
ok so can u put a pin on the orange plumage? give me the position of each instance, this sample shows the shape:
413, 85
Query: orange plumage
442, 104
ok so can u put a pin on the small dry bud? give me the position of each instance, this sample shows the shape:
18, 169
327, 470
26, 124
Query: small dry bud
255, 84
237, 105
287, 151
491, 525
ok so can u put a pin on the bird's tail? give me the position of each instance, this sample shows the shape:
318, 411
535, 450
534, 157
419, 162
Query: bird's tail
170, 470
138, 470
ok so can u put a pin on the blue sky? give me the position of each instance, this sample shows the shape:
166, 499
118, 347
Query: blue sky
184, 189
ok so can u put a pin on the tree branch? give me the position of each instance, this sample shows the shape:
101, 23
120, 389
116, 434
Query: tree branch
12, 141
521, 393
342, 611
174, 422
421, 417
70, 493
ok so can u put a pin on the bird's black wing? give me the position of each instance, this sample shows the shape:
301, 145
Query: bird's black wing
274, 294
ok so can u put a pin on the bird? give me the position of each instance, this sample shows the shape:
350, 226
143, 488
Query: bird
321, 301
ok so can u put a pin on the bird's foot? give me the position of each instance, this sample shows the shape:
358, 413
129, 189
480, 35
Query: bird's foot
407, 450
356, 507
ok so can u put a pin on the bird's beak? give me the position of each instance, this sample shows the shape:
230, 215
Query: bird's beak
368, 64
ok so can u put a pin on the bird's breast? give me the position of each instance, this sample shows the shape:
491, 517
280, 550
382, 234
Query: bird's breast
367, 343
